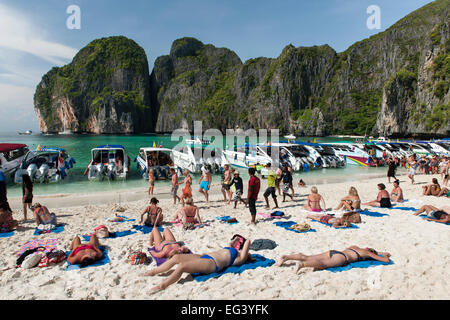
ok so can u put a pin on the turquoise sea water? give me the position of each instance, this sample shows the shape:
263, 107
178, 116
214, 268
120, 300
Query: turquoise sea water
79, 147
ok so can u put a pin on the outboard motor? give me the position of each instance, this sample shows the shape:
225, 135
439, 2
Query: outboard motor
43, 172
32, 170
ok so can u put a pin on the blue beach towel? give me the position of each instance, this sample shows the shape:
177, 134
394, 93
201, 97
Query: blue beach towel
225, 218
125, 219
6, 234
447, 223
329, 225
113, 235
57, 229
104, 260
287, 224
260, 261
372, 213
360, 264
405, 208
277, 213
146, 229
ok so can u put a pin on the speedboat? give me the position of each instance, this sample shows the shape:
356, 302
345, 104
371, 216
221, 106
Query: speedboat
157, 159
351, 153
247, 156
197, 153
11, 155
26, 133
108, 161
45, 165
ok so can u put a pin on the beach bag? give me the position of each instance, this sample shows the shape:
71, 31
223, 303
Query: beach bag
25, 254
43, 262
302, 227
101, 232
31, 260
56, 256
189, 226
138, 257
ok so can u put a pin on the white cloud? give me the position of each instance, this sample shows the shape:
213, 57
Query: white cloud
16, 108
19, 33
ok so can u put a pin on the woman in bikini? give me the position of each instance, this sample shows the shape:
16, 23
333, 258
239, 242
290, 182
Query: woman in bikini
154, 214
397, 192
43, 216
383, 199
351, 202
84, 254
314, 200
435, 214
205, 264
189, 214
187, 190
165, 245
331, 220
432, 189
334, 258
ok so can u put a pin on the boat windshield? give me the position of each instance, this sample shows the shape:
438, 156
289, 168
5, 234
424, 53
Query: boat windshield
158, 158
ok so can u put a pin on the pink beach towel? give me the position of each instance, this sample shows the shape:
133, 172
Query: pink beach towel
48, 244
268, 216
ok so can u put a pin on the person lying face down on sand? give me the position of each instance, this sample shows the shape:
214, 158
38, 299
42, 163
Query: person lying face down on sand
383, 199
314, 200
333, 258
432, 189
42, 215
7, 222
336, 222
351, 202
189, 214
205, 264
165, 245
84, 254
154, 214
434, 214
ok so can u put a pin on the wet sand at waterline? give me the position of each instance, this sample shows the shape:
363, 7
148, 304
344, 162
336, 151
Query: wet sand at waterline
419, 249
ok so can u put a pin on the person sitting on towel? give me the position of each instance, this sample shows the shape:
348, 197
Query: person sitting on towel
435, 214
84, 254
208, 263
154, 214
43, 216
383, 199
351, 202
333, 258
165, 245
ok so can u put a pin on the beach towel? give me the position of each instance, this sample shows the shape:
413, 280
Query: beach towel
263, 244
287, 224
178, 223
447, 223
268, 216
6, 234
58, 229
405, 208
360, 264
48, 244
260, 261
225, 218
104, 260
329, 225
120, 219
146, 229
112, 235
372, 213
411, 201
159, 261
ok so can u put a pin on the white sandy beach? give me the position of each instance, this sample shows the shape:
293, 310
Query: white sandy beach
419, 249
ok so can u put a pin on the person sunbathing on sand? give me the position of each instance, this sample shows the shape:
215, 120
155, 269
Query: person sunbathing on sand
7, 222
84, 254
165, 245
42, 215
435, 214
154, 214
205, 264
329, 219
351, 202
314, 200
189, 213
333, 258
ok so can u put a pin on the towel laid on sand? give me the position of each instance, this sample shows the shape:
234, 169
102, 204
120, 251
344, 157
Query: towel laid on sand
260, 261
329, 225
263, 244
6, 234
448, 223
104, 260
48, 244
405, 208
225, 218
360, 264
112, 235
287, 224
372, 213
120, 219
159, 261
58, 229
178, 223
146, 229
268, 216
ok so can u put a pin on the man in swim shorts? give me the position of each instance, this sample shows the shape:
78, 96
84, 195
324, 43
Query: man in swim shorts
175, 184
271, 177
205, 182
253, 190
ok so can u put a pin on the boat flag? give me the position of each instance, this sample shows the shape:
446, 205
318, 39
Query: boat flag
38, 148
154, 144
315, 141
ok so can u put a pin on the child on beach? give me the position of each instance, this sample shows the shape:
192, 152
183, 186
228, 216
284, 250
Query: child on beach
151, 181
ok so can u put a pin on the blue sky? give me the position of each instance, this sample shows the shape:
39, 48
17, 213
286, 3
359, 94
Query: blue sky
34, 36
